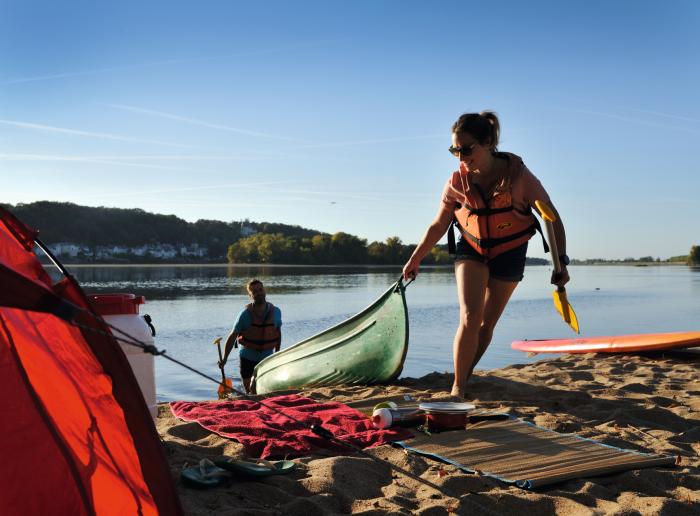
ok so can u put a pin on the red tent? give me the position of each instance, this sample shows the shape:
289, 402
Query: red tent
77, 437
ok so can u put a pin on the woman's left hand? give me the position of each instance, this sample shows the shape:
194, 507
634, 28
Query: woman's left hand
561, 278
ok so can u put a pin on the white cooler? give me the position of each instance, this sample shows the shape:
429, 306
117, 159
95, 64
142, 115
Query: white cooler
122, 311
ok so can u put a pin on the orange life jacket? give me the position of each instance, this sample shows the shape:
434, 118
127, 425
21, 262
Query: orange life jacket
262, 333
492, 226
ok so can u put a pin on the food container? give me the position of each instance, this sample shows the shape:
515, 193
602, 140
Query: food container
439, 421
441, 416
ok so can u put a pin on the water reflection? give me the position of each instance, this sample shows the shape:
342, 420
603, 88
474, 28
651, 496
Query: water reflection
170, 282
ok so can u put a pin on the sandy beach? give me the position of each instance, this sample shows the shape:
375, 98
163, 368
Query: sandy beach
646, 403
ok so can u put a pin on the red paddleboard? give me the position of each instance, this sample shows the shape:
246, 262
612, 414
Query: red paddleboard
613, 344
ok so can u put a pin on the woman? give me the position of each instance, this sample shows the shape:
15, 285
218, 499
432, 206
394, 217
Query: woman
490, 199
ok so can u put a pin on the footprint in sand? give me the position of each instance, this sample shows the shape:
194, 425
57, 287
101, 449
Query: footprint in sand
188, 432
637, 388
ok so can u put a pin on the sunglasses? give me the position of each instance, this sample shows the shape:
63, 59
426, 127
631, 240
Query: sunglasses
462, 151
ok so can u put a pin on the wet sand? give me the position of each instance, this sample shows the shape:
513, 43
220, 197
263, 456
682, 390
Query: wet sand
647, 403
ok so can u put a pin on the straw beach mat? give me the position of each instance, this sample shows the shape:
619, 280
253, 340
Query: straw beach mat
526, 455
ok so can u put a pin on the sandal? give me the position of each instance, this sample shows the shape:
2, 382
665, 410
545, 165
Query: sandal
206, 474
256, 467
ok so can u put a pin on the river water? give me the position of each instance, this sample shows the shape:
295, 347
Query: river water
191, 306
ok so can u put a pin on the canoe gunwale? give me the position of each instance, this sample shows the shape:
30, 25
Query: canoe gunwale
359, 315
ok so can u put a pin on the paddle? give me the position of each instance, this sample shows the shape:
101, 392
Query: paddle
560, 302
226, 384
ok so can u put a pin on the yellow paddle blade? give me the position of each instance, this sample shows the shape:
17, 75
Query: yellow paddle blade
561, 303
546, 212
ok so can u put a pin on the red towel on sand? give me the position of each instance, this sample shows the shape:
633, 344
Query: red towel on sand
267, 434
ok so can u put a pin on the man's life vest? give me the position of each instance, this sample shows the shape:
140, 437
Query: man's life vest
493, 226
262, 333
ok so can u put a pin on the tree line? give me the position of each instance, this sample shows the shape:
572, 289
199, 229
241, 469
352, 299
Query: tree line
100, 226
270, 243
324, 249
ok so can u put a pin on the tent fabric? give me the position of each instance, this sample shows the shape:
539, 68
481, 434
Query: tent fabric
16, 248
268, 434
77, 435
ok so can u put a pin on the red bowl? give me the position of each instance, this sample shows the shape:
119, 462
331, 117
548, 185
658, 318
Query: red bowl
437, 421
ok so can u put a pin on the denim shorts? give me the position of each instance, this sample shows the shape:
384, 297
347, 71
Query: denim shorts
507, 266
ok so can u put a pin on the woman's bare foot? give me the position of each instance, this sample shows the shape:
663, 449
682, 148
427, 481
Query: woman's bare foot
458, 391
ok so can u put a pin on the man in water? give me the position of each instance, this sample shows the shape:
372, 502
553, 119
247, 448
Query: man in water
257, 329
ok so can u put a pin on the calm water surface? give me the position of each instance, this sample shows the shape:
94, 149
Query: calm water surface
191, 306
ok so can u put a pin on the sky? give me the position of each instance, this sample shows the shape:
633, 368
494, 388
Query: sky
336, 115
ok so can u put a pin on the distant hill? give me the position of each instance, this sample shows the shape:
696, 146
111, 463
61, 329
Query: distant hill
83, 234
91, 227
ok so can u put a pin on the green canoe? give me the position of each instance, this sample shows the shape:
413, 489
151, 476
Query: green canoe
366, 349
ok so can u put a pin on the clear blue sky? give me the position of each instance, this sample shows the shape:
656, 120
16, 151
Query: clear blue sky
336, 115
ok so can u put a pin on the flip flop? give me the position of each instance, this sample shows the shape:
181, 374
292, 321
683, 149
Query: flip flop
256, 468
206, 474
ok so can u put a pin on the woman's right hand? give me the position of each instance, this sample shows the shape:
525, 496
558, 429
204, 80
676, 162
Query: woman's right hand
410, 270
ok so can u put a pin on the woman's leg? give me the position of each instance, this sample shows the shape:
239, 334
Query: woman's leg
498, 293
472, 280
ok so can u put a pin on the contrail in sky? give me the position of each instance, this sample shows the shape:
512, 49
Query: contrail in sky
630, 119
664, 115
194, 121
263, 186
164, 157
64, 75
80, 159
104, 136
265, 135
371, 141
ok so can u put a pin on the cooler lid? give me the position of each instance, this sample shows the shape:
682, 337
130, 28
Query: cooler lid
447, 407
116, 304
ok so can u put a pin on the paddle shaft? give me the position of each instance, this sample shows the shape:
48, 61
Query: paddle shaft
223, 376
553, 249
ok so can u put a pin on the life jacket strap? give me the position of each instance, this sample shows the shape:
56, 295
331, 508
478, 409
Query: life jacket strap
488, 243
451, 247
488, 211
259, 344
538, 228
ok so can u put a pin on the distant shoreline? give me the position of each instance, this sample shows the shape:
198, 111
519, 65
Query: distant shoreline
242, 265
348, 265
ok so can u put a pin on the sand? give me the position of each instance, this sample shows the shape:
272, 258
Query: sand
647, 403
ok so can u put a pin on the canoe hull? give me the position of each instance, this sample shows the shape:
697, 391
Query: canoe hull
368, 348
613, 344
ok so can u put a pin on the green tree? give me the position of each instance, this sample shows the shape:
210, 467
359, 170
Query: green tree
395, 250
321, 248
440, 256
346, 248
265, 248
694, 255
377, 253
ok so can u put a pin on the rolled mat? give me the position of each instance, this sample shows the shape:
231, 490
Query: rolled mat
521, 453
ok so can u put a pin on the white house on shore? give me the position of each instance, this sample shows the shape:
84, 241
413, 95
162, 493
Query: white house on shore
68, 249
159, 251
